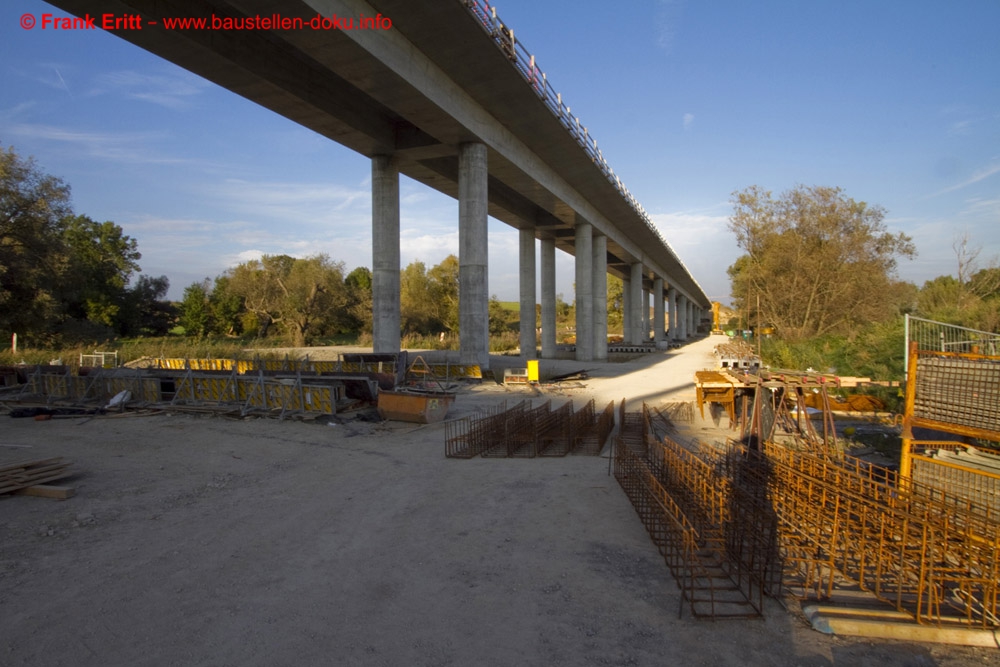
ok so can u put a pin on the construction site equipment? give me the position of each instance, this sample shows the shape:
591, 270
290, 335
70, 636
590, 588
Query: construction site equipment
716, 387
737, 354
100, 359
591, 430
412, 405
515, 376
768, 517
470, 436
716, 324
529, 432
267, 394
953, 387
718, 538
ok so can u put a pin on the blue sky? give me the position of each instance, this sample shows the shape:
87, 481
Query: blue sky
898, 103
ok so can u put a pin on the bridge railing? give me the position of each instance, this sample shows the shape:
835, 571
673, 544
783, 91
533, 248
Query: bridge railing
524, 62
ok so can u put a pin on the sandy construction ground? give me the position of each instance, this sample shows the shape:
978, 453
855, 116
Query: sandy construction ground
209, 541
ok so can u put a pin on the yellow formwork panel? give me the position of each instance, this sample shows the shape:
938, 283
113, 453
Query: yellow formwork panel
325, 367
213, 389
456, 371
142, 389
318, 399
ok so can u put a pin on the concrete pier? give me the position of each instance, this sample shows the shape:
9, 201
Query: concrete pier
600, 296
672, 305
645, 315
526, 277
547, 252
473, 301
385, 255
584, 292
635, 306
627, 311
659, 318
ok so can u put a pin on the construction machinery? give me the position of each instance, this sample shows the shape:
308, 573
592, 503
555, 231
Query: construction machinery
716, 328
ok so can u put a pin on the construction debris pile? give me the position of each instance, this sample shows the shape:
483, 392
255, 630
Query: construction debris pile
526, 431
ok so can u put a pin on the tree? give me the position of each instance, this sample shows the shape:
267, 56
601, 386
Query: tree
314, 297
226, 308
417, 311
101, 260
818, 261
32, 205
196, 313
254, 283
305, 296
444, 279
144, 310
616, 300
501, 320
359, 299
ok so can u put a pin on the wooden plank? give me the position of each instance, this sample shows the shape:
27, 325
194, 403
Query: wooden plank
27, 464
32, 478
48, 491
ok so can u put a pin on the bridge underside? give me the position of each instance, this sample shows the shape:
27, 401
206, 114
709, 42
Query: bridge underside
328, 81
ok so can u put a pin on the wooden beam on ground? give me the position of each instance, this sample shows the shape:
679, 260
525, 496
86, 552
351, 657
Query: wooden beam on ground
47, 491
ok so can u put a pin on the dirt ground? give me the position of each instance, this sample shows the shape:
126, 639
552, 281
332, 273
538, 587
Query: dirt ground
210, 541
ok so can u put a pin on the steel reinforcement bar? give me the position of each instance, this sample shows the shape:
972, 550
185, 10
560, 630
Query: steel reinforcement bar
526, 432
926, 557
672, 533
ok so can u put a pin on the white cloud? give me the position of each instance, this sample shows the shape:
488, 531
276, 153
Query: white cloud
126, 147
667, 19
296, 204
979, 175
688, 120
704, 244
176, 91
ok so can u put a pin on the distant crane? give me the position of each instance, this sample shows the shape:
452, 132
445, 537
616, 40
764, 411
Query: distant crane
716, 328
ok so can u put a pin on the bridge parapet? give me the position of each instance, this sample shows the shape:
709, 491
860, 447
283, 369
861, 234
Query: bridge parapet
523, 61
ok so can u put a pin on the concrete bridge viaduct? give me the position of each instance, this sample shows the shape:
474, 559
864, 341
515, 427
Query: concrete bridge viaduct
450, 98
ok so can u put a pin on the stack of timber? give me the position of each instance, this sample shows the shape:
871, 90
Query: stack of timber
32, 478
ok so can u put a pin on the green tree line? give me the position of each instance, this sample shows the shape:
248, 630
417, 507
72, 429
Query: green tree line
820, 269
305, 299
64, 275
